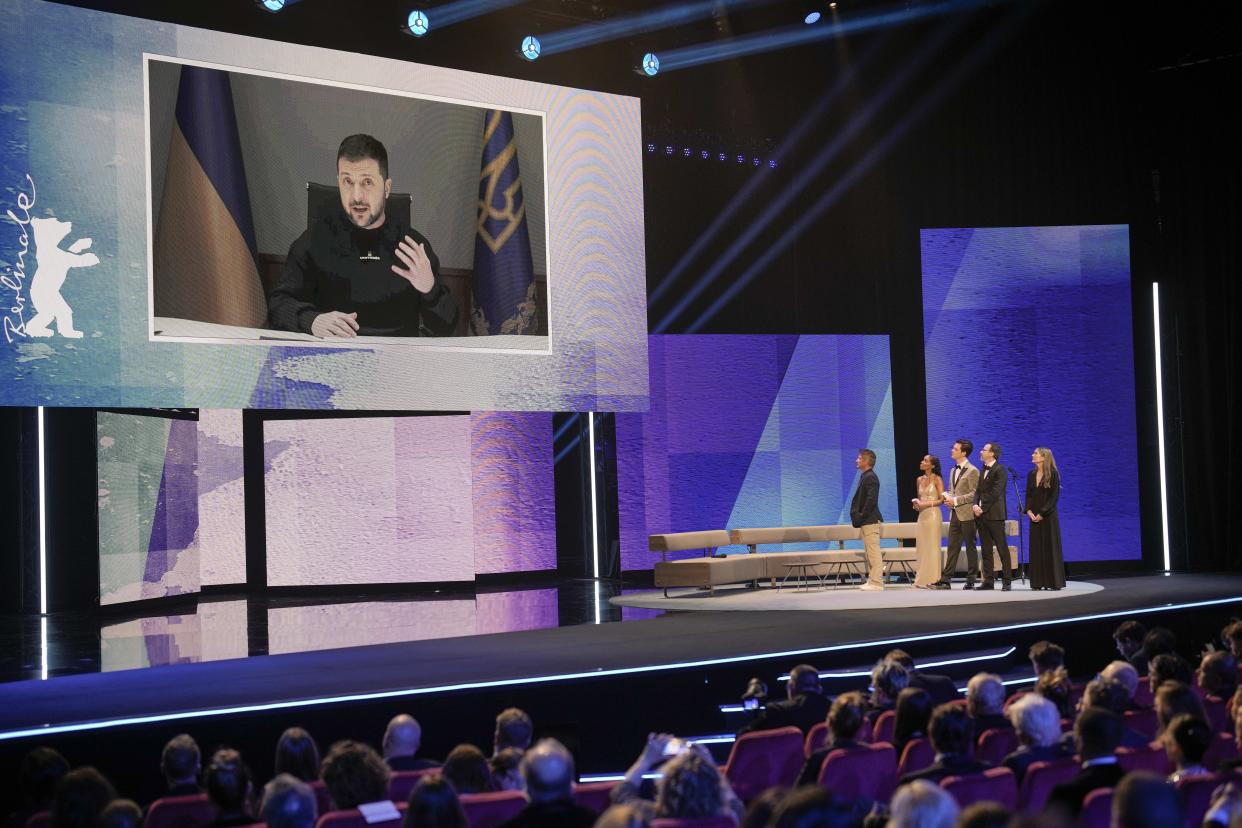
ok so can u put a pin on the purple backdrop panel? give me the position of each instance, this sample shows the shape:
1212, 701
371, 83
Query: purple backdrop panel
531, 609
514, 500
331, 626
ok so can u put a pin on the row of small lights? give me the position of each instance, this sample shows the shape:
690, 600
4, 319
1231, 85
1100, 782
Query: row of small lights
708, 155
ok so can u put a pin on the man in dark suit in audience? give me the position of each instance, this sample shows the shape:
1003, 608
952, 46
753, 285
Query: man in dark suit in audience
402, 740
1129, 640
1039, 730
805, 707
952, 735
989, 509
181, 764
940, 688
985, 701
888, 679
1097, 734
1111, 694
548, 769
514, 729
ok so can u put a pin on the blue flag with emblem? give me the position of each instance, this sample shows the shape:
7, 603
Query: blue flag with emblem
504, 278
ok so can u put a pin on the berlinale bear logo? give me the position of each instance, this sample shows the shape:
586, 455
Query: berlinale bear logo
52, 263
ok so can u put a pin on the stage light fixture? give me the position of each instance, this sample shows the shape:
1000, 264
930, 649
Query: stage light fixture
418, 24
650, 65
530, 47
811, 18
832, 6
271, 5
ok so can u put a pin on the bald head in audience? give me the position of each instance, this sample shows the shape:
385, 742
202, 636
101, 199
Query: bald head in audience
403, 737
548, 769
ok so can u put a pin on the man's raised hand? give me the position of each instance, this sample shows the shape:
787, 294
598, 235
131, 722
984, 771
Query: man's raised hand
335, 323
417, 269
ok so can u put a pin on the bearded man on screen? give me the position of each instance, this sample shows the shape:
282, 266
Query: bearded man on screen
356, 271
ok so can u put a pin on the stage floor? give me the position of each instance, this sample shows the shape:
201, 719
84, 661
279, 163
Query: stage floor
393, 669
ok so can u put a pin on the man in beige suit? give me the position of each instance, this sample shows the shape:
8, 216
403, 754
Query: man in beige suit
959, 496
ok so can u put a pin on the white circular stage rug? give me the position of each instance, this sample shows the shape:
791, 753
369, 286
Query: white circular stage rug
767, 599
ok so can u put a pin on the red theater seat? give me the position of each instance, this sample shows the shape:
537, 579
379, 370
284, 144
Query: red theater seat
993, 785
1010, 701
764, 759
917, 755
1218, 714
487, 810
1142, 722
1196, 794
865, 732
594, 795
1143, 696
1097, 809
719, 821
816, 737
354, 819
180, 812
1148, 759
323, 801
995, 744
402, 782
868, 770
1223, 747
1041, 778
885, 724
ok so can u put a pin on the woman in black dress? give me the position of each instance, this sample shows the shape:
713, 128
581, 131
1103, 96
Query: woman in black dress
1043, 488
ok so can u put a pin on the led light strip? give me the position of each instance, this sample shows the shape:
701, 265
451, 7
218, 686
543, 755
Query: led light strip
1164, 478
944, 663
594, 513
47, 730
42, 521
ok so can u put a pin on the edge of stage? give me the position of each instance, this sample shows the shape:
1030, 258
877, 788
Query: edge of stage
675, 641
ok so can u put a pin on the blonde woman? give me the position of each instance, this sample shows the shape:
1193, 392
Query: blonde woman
927, 538
1043, 489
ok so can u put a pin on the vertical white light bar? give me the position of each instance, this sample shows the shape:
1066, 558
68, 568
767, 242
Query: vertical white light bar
42, 523
594, 514
43, 647
1164, 480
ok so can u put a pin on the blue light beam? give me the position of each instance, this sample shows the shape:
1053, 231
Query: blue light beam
666, 17
462, 10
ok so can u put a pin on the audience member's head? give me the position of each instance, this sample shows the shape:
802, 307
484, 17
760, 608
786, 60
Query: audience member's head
1174, 698
1123, 672
1055, 687
1097, 733
1036, 719
914, 708
952, 731
507, 770
402, 737
181, 761
1237, 715
845, 717
1169, 667
434, 804
288, 802
121, 813
354, 775
513, 729
1046, 657
985, 695
228, 782
692, 787
803, 679
80, 797
467, 768
901, 657
923, 804
631, 816
548, 770
1186, 740
1217, 674
1129, 637
1232, 636
984, 815
759, 811
1159, 641
1144, 800
813, 807
297, 755
38, 774
1106, 693
888, 678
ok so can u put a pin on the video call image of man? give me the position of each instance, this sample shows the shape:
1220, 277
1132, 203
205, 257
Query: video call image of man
356, 271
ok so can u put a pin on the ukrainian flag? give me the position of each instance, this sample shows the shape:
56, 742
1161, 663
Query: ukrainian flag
504, 278
205, 257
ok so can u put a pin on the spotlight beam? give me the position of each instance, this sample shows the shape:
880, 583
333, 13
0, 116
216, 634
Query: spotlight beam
461, 10
589, 34
928, 48
798, 35
811, 214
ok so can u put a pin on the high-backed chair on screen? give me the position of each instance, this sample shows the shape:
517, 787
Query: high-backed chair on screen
321, 199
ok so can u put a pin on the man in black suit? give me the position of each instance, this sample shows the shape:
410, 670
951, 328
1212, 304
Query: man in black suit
402, 739
1097, 733
865, 516
940, 688
180, 763
1129, 637
989, 509
805, 707
548, 770
952, 734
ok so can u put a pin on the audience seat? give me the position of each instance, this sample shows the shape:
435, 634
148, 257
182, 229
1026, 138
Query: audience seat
763, 759
995, 744
865, 732
180, 812
1041, 778
1142, 694
885, 724
718, 821
1010, 701
1223, 747
487, 810
1148, 759
816, 737
323, 801
1217, 714
594, 795
354, 819
1097, 809
402, 782
1196, 792
39, 819
918, 754
870, 770
993, 785
1142, 722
